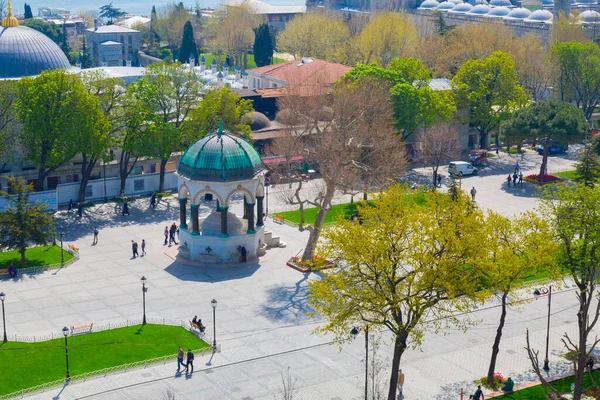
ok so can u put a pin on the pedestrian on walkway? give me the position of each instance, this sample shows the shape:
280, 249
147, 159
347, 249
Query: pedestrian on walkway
125, 209
179, 358
166, 235
172, 232
439, 180
189, 361
95, 236
143, 247
515, 178
520, 178
153, 201
400, 383
497, 151
478, 395
508, 180
134, 248
71, 205
517, 168
473, 193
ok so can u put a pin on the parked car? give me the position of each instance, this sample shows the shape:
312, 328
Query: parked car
460, 168
554, 149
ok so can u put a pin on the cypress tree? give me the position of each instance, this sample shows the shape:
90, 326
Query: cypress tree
153, 24
188, 44
28, 13
264, 44
64, 45
85, 58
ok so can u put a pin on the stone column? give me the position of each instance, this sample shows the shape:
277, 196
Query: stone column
259, 210
251, 218
195, 227
182, 213
245, 216
223, 211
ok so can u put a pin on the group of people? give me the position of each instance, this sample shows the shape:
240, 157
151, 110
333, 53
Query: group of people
198, 322
189, 362
134, 248
170, 234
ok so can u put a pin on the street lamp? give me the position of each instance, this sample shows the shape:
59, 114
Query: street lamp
143, 280
213, 303
536, 294
65, 332
267, 210
2, 297
62, 253
354, 333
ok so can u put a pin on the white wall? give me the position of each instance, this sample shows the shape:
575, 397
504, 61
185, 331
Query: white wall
48, 198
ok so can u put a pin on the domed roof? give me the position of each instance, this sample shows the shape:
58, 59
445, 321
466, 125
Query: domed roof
220, 157
259, 120
428, 4
519, 13
456, 1
461, 8
587, 2
480, 9
27, 52
500, 11
498, 3
445, 6
540, 16
475, 2
589, 17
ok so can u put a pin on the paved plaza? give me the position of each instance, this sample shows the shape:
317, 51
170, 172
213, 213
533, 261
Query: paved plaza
261, 318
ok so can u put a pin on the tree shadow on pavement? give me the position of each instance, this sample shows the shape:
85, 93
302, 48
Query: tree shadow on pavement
212, 274
287, 304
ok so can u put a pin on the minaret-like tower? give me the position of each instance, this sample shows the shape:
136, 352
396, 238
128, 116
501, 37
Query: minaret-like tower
9, 20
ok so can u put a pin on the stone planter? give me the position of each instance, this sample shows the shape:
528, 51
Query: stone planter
295, 263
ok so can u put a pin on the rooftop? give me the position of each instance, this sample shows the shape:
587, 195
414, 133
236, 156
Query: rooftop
307, 71
130, 22
112, 29
263, 8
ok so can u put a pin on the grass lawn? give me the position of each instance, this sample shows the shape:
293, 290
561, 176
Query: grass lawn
36, 257
32, 364
566, 174
251, 64
563, 385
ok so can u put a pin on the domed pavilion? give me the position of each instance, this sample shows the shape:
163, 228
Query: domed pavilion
221, 165
25, 51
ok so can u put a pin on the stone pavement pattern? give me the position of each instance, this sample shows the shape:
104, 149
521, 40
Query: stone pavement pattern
261, 317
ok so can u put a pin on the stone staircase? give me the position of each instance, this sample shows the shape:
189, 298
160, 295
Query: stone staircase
273, 241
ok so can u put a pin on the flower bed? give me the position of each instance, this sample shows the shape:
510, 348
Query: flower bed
498, 380
316, 264
541, 180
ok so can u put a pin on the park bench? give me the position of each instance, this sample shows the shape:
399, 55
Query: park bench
195, 326
72, 247
77, 329
3, 272
278, 218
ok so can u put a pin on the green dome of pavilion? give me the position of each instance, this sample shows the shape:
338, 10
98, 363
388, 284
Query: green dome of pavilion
220, 157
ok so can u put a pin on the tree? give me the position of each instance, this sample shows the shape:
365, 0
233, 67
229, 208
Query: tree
519, 250
169, 92
490, 91
566, 30
109, 12
7, 116
437, 145
588, 166
441, 26
314, 35
577, 74
28, 13
408, 268
144, 30
574, 217
219, 104
47, 28
531, 65
546, 122
154, 37
64, 45
188, 44
85, 58
23, 223
264, 45
52, 109
387, 36
349, 139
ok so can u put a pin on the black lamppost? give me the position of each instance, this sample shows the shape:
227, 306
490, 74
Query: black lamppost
537, 293
267, 210
213, 303
65, 332
62, 253
143, 280
2, 297
354, 333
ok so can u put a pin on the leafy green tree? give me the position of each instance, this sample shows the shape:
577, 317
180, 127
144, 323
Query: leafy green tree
154, 37
23, 223
47, 28
188, 44
85, 57
28, 14
219, 104
588, 165
578, 74
408, 268
110, 12
547, 122
8, 90
264, 45
489, 89
52, 109
441, 26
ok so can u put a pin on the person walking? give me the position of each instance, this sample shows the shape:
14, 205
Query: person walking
71, 205
125, 209
172, 232
497, 151
189, 361
517, 168
134, 248
515, 177
478, 395
400, 384
439, 180
143, 247
95, 236
153, 201
473, 193
166, 235
508, 180
520, 178
179, 358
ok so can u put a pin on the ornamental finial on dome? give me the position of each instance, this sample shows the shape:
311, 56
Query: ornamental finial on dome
220, 131
9, 20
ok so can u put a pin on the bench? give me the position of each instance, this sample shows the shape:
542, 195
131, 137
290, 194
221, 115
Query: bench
77, 329
72, 247
195, 326
278, 218
3, 271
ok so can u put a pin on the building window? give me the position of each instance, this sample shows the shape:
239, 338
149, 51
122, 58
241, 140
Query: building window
130, 39
275, 85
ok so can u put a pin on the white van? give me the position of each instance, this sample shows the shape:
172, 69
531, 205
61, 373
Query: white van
460, 168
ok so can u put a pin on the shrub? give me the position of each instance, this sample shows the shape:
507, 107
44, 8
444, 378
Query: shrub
498, 380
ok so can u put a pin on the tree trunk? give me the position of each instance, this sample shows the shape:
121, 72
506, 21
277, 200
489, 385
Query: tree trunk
435, 175
22, 249
399, 347
582, 323
496, 346
482, 140
125, 169
544, 166
315, 232
86, 170
163, 167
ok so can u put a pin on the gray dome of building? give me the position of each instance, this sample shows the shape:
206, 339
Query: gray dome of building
518, 13
259, 120
589, 17
461, 8
547, 3
540, 16
498, 12
27, 52
456, 1
445, 6
475, 2
480, 9
429, 4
